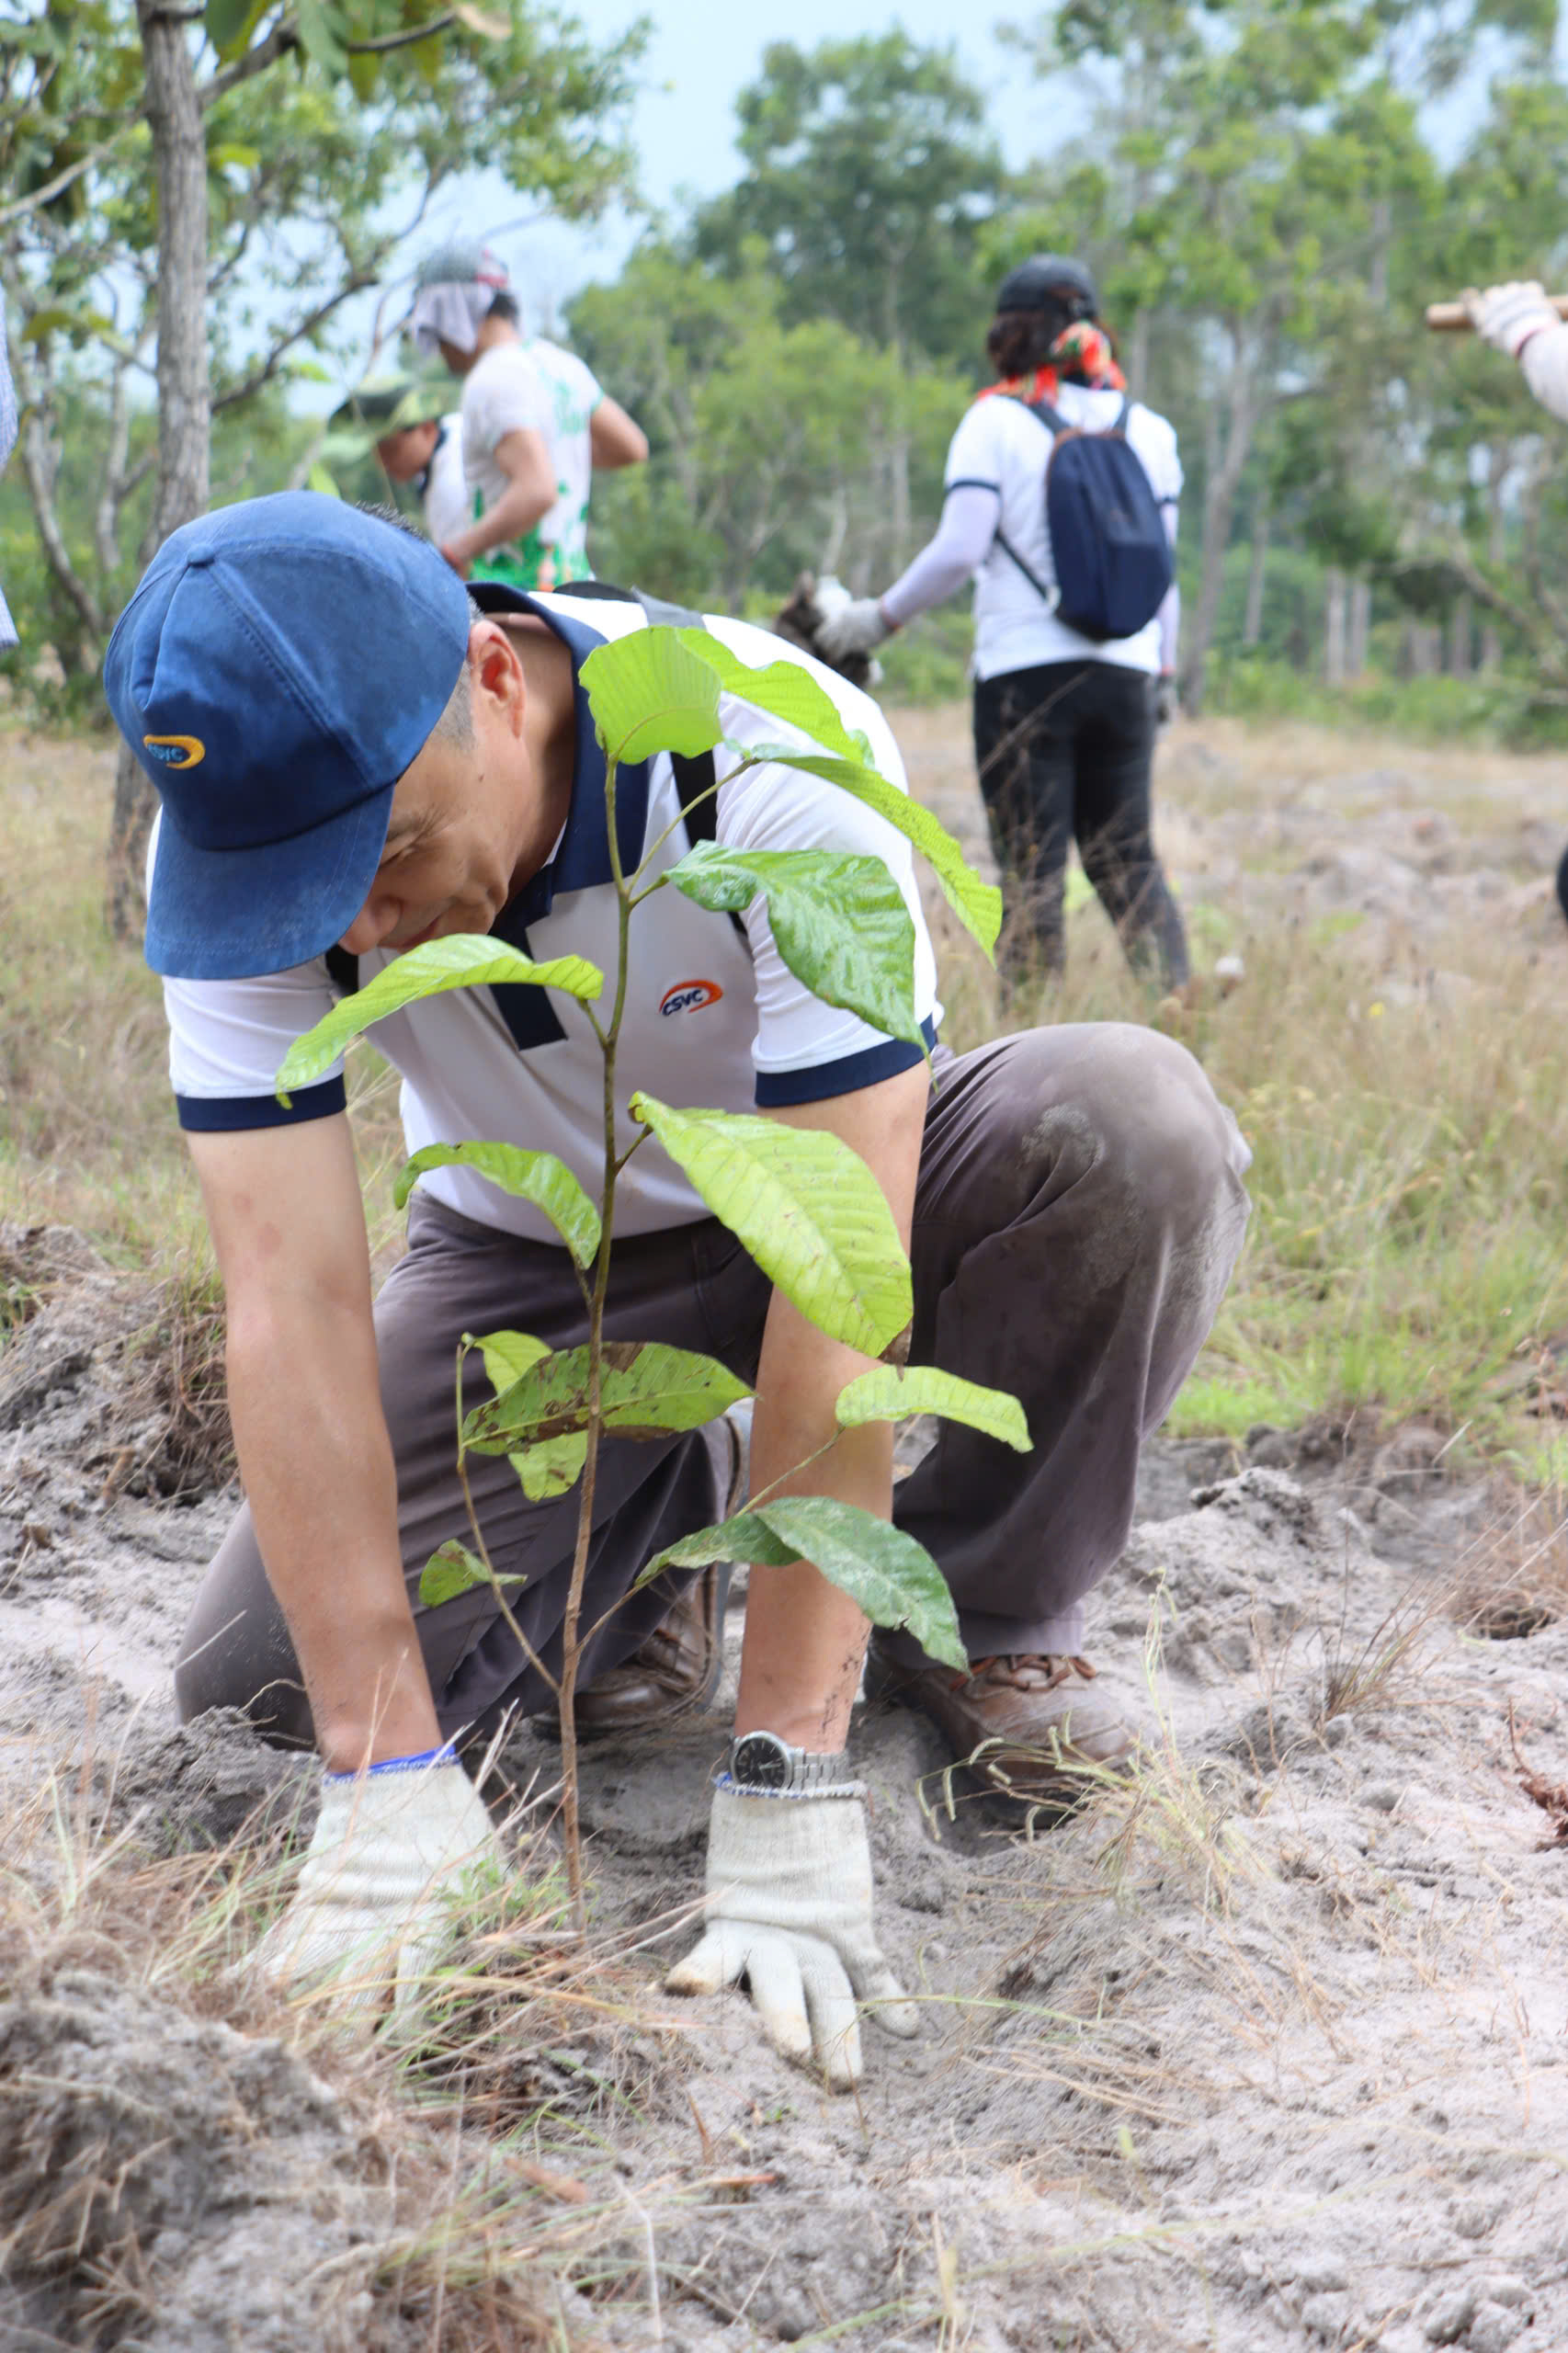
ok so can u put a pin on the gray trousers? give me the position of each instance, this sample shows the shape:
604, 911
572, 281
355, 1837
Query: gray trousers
1079, 1210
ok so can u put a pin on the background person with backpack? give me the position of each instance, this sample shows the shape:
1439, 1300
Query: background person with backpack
1061, 503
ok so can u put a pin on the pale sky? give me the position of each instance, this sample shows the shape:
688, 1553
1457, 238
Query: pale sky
701, 55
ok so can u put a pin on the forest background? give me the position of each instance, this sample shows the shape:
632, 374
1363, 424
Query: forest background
1373, 520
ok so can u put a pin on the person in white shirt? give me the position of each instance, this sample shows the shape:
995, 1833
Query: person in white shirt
1064, 725
355, 755
415, 439
1518, 319
536, 426
429, 454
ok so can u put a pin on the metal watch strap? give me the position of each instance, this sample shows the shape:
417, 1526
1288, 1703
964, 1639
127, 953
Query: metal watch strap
808, 1771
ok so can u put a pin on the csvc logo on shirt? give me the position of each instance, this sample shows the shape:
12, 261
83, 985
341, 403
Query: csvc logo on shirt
688, 997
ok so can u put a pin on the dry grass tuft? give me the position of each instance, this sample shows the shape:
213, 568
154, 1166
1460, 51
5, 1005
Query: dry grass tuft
449, 2187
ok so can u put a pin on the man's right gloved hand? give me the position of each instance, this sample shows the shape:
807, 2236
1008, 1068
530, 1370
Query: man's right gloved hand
856, 628
789, 1910
393, 1849
1507, 316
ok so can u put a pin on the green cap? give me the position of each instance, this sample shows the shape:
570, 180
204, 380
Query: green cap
381, 405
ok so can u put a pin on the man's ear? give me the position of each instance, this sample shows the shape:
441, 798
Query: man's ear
495, 673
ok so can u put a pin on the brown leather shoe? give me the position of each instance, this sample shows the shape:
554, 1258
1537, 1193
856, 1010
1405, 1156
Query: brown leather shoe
674, 1673
677, 1669
1028, 1725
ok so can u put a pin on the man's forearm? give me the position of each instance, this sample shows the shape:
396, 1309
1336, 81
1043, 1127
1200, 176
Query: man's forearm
513, 517
804, 1638
305, 1400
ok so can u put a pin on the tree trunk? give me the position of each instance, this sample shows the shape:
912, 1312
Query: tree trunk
898, 505
1460, 623
1251, 623
1496, 549
180, 159
1359, 628
1225, 472
1334, 626
1135, 361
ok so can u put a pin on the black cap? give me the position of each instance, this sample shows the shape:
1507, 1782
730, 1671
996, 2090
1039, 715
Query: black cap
1049, 282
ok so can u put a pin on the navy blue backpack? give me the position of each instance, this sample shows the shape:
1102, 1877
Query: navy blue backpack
1108, 536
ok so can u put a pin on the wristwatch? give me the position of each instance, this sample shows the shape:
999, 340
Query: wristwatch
760, 1760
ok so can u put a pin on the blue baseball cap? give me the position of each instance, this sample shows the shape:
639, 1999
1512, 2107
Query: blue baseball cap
280, 666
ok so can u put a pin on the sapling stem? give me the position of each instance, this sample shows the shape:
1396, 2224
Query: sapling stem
570, 1649
480, 1547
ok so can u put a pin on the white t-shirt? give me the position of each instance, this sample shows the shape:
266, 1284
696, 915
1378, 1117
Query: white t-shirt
443, 493
711, 1019
1001, 447
538, 386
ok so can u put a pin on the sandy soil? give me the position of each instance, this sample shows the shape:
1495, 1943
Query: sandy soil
1267, 2049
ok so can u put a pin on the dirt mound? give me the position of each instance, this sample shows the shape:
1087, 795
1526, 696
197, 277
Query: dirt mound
166, 2179
136, 1367
1260, 2049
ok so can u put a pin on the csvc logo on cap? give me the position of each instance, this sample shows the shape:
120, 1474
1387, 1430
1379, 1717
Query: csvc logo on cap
689, 996
176, 751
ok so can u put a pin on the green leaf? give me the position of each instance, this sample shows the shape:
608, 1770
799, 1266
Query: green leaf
649, 694
232, 150
319, 35
322, 478
645, 1388
785, 690
977, 904
451, 1570
885, 1395
554, 1466
536, 1176
551, 1468
839, 920
894, 1580
807, 1208
508, 1356
364, 73
467, 961
227, 22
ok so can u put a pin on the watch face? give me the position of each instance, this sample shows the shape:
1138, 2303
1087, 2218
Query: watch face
761, 1762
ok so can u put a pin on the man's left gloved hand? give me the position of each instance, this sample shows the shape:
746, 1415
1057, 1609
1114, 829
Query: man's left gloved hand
789, 1909
393, 1848
1507, 316
859, 627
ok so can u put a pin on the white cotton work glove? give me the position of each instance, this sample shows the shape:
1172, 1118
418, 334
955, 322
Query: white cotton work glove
1507, 316
393, 1848
858, 627
789, 1910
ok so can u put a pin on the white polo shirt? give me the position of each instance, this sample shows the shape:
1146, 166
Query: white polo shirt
1000, 446
443, 492
712, 1017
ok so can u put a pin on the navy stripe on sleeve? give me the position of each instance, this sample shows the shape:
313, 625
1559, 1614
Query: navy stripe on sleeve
970, 482
225, 1114
778, 1088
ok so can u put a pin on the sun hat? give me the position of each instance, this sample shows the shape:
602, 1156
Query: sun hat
380, 407
280, 666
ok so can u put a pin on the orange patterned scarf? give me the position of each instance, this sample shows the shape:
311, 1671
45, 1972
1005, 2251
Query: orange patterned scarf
1080, 354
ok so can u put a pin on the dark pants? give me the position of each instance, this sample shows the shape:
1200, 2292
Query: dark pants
1065, 753
1080, 1207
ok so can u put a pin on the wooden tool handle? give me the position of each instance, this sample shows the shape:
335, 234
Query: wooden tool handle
1452, 318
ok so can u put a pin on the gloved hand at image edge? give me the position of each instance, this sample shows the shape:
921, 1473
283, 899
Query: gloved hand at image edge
859, 627
394, 1848
789, 1909
1507, 316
